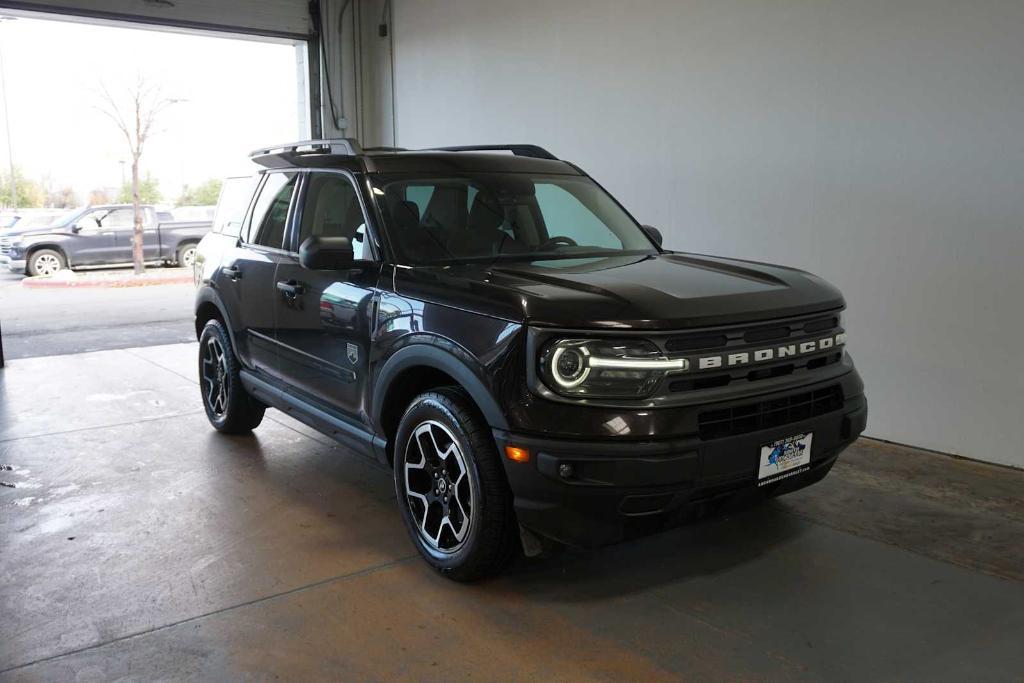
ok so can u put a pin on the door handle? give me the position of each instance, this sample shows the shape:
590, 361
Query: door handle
291, 288
233, 273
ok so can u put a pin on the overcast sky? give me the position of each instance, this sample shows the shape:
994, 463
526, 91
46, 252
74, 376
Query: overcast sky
239, 94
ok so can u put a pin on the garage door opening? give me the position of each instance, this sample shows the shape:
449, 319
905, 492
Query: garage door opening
71, 86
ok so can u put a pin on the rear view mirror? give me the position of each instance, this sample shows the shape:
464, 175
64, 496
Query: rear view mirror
653, 233
326, 253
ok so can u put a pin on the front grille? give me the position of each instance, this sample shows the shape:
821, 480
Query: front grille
777, 412
749, 338
696, 343
748, 374
5, 245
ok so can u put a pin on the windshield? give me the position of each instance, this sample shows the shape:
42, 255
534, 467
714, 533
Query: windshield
504, 216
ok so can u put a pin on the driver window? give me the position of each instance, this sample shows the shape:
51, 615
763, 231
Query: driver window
565, 216
90, 221
332, 209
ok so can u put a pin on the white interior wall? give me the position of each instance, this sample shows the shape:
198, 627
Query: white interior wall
875, 142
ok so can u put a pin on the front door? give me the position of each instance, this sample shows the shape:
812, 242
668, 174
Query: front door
324, 318
96, 236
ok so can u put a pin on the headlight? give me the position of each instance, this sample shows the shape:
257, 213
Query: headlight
606, 368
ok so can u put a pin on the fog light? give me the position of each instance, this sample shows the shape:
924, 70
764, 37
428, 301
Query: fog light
565, 470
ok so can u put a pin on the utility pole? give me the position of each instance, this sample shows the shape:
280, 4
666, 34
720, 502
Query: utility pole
7, 121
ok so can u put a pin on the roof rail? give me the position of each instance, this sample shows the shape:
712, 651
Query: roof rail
280, 156
534, 151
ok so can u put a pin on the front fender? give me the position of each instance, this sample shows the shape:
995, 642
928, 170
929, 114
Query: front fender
428, 355
56, 242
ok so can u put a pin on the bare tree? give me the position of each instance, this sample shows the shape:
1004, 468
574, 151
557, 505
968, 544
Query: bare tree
136, 118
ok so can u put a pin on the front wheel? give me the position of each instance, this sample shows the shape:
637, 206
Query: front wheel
451, 488
46, 262
229, 407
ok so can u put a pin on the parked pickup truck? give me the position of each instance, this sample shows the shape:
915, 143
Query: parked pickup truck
100, 236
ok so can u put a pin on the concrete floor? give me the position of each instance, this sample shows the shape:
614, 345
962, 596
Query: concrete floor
139, 544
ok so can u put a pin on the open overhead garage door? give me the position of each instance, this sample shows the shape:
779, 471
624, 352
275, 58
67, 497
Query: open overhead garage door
280, 18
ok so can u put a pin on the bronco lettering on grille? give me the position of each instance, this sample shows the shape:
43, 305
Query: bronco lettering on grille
772, 353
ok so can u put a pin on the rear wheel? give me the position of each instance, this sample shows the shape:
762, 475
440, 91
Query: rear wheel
46, 262
187, 255
229, 407
451, 487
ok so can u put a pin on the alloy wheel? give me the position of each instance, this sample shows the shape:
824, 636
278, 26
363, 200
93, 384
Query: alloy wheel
439, 489
188, 257
47, 264
215, 372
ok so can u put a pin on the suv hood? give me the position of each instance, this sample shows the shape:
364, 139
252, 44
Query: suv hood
33, 232
660, 291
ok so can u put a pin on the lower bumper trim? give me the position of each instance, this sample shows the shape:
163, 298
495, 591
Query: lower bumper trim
618, 490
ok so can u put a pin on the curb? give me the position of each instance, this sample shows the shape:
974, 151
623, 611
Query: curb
48, 283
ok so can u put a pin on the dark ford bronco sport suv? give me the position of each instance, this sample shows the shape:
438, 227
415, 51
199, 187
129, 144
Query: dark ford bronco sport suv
535, 368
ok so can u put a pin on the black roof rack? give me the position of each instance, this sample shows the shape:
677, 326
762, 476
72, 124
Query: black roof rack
281, 156
535, 151
292, 154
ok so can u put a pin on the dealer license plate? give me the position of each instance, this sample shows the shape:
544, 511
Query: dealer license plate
784, 458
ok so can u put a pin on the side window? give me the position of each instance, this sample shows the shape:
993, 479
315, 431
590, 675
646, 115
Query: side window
271, 210
234, 200
332, 209
566, 216
120, 218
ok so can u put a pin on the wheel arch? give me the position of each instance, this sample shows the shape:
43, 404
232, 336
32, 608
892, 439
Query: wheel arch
52, 246
209, 307
418, 368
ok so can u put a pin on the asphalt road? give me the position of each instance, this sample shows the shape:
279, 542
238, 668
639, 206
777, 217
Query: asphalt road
51, 322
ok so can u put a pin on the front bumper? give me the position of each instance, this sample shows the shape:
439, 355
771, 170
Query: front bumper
15, 266
619, 489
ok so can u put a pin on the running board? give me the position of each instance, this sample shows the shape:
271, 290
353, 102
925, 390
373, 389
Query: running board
324, 422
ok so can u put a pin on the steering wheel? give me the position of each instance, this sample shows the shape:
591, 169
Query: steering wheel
560, 240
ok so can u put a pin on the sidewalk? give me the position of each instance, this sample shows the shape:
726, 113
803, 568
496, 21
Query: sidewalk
117, 278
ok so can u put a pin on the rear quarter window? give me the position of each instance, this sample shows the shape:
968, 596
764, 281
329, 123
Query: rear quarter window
235, 195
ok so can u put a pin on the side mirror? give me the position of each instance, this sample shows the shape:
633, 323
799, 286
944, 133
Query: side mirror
326, 253
76, 228
653, 233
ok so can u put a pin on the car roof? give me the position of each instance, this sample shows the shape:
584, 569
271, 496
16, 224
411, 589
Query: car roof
344, 154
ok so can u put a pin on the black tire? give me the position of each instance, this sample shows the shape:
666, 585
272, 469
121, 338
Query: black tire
228, 406
183, 259
41, 262
489, 533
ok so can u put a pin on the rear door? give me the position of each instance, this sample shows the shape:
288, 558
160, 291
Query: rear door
324, 318
246, 276
152, 250
122, 221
